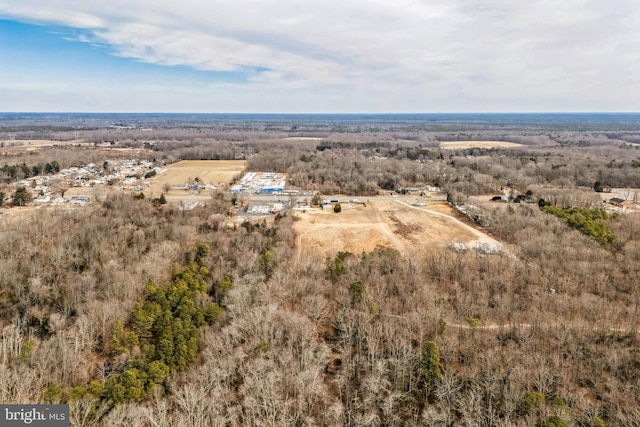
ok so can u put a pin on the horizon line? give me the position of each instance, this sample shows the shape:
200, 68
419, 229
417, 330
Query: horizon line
321, 113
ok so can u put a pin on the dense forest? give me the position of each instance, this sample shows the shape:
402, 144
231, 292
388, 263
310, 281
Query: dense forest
136, 313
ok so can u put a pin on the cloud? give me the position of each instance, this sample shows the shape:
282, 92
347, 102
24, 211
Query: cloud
431, 55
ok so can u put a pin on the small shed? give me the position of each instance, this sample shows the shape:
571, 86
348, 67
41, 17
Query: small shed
617, 201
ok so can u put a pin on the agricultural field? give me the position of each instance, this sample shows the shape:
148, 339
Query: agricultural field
16, 146
34, 143
215, 172
455, 145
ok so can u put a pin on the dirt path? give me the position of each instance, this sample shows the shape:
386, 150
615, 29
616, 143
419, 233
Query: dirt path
516, 325
384, 228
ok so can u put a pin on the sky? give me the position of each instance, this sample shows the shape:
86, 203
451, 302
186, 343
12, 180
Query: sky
330, 56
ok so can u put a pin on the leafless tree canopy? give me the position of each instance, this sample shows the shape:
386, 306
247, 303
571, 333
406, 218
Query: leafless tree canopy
544, 332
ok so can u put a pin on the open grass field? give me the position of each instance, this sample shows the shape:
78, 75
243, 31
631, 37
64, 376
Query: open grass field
216, 172
452, 145
26, 143
383, 222
35, 144
19, 147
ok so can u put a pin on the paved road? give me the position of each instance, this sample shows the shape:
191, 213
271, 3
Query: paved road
189, 198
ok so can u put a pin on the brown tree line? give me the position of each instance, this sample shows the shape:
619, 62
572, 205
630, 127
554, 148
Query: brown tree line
355, 162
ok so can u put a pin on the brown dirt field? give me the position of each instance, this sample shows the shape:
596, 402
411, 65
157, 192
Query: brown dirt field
452, 145
216, 172
18, 147
35, 144
17, 143
390, 223
355, 230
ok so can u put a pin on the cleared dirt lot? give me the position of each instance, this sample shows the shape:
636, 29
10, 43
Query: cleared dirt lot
389, 223
16, 145
452, 145
26, 143
216, 172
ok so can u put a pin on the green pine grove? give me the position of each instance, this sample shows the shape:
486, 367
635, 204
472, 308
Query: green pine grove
163, 334
591, 222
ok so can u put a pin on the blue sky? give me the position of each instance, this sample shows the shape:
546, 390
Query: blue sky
45, 64
36, 52
331, 56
